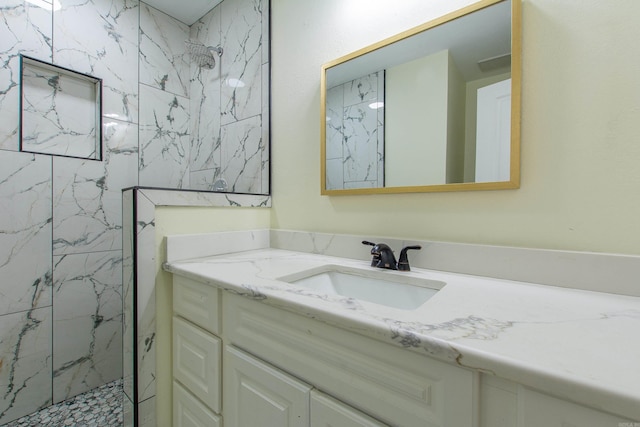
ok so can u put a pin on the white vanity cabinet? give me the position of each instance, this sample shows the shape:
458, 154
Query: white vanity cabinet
281, 369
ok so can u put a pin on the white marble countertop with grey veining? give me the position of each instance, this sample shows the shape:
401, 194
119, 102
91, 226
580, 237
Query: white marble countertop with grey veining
579, 345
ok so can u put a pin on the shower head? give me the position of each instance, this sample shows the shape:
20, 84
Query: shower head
202, 55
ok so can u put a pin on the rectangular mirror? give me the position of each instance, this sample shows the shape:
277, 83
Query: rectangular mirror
435, 108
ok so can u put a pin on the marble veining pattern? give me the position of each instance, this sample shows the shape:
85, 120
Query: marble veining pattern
164, 139
25, 354
536, 335
164, 63
145, 292
25, 231
230, 103
242, 41
242, 154
355, 133
87, 322
60, 112
206, 86
87, 194
100, 38
24, 28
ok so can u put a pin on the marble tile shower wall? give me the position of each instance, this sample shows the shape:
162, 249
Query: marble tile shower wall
230, 103
61, 218
355, 133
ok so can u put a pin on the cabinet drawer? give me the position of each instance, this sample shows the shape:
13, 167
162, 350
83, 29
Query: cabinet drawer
396, 386
196, 362
197, 302
190, 412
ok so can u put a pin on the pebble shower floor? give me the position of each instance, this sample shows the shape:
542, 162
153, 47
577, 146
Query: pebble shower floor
100, 407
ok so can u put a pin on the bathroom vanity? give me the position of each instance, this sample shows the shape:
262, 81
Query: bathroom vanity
477, 352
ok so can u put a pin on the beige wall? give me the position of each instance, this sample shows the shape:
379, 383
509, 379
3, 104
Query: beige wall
415, 122
580, 129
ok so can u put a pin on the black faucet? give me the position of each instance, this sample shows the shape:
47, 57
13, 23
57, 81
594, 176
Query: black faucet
383, 256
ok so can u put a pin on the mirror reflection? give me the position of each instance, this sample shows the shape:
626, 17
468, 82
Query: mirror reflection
432, 109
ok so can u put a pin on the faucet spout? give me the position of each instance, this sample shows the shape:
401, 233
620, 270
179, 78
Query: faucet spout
386, 258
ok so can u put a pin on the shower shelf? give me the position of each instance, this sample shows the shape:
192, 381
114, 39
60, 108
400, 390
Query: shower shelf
60, 111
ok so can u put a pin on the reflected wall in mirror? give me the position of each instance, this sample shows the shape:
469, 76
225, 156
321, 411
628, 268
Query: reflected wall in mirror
436, 108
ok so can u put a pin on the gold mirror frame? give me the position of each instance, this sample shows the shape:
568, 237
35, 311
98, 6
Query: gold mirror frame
516, 76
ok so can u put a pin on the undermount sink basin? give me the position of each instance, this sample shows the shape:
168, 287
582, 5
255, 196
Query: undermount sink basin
380, 287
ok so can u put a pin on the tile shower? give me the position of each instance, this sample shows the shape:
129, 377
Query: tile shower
355, 133
165, 123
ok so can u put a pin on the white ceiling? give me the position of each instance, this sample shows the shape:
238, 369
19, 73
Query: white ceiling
187, 11
471, 38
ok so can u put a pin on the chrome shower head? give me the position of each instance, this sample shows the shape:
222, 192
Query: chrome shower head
202, 55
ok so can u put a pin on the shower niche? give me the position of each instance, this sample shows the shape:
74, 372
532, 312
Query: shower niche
60, 111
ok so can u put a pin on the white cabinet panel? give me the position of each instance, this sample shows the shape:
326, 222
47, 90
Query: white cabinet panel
196, 362
329, 412
197, 302
190, 412
258, 395
537, 409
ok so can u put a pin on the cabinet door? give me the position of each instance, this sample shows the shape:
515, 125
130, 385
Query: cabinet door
196, 362
329, 412
259, 395
190, 412
542, 410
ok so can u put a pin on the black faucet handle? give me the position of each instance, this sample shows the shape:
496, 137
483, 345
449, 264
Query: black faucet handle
376, 256
403, 262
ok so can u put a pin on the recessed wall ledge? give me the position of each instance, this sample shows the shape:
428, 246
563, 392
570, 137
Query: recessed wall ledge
600, 272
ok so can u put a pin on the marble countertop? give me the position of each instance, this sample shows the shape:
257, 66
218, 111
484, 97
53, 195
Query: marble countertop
579, 345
